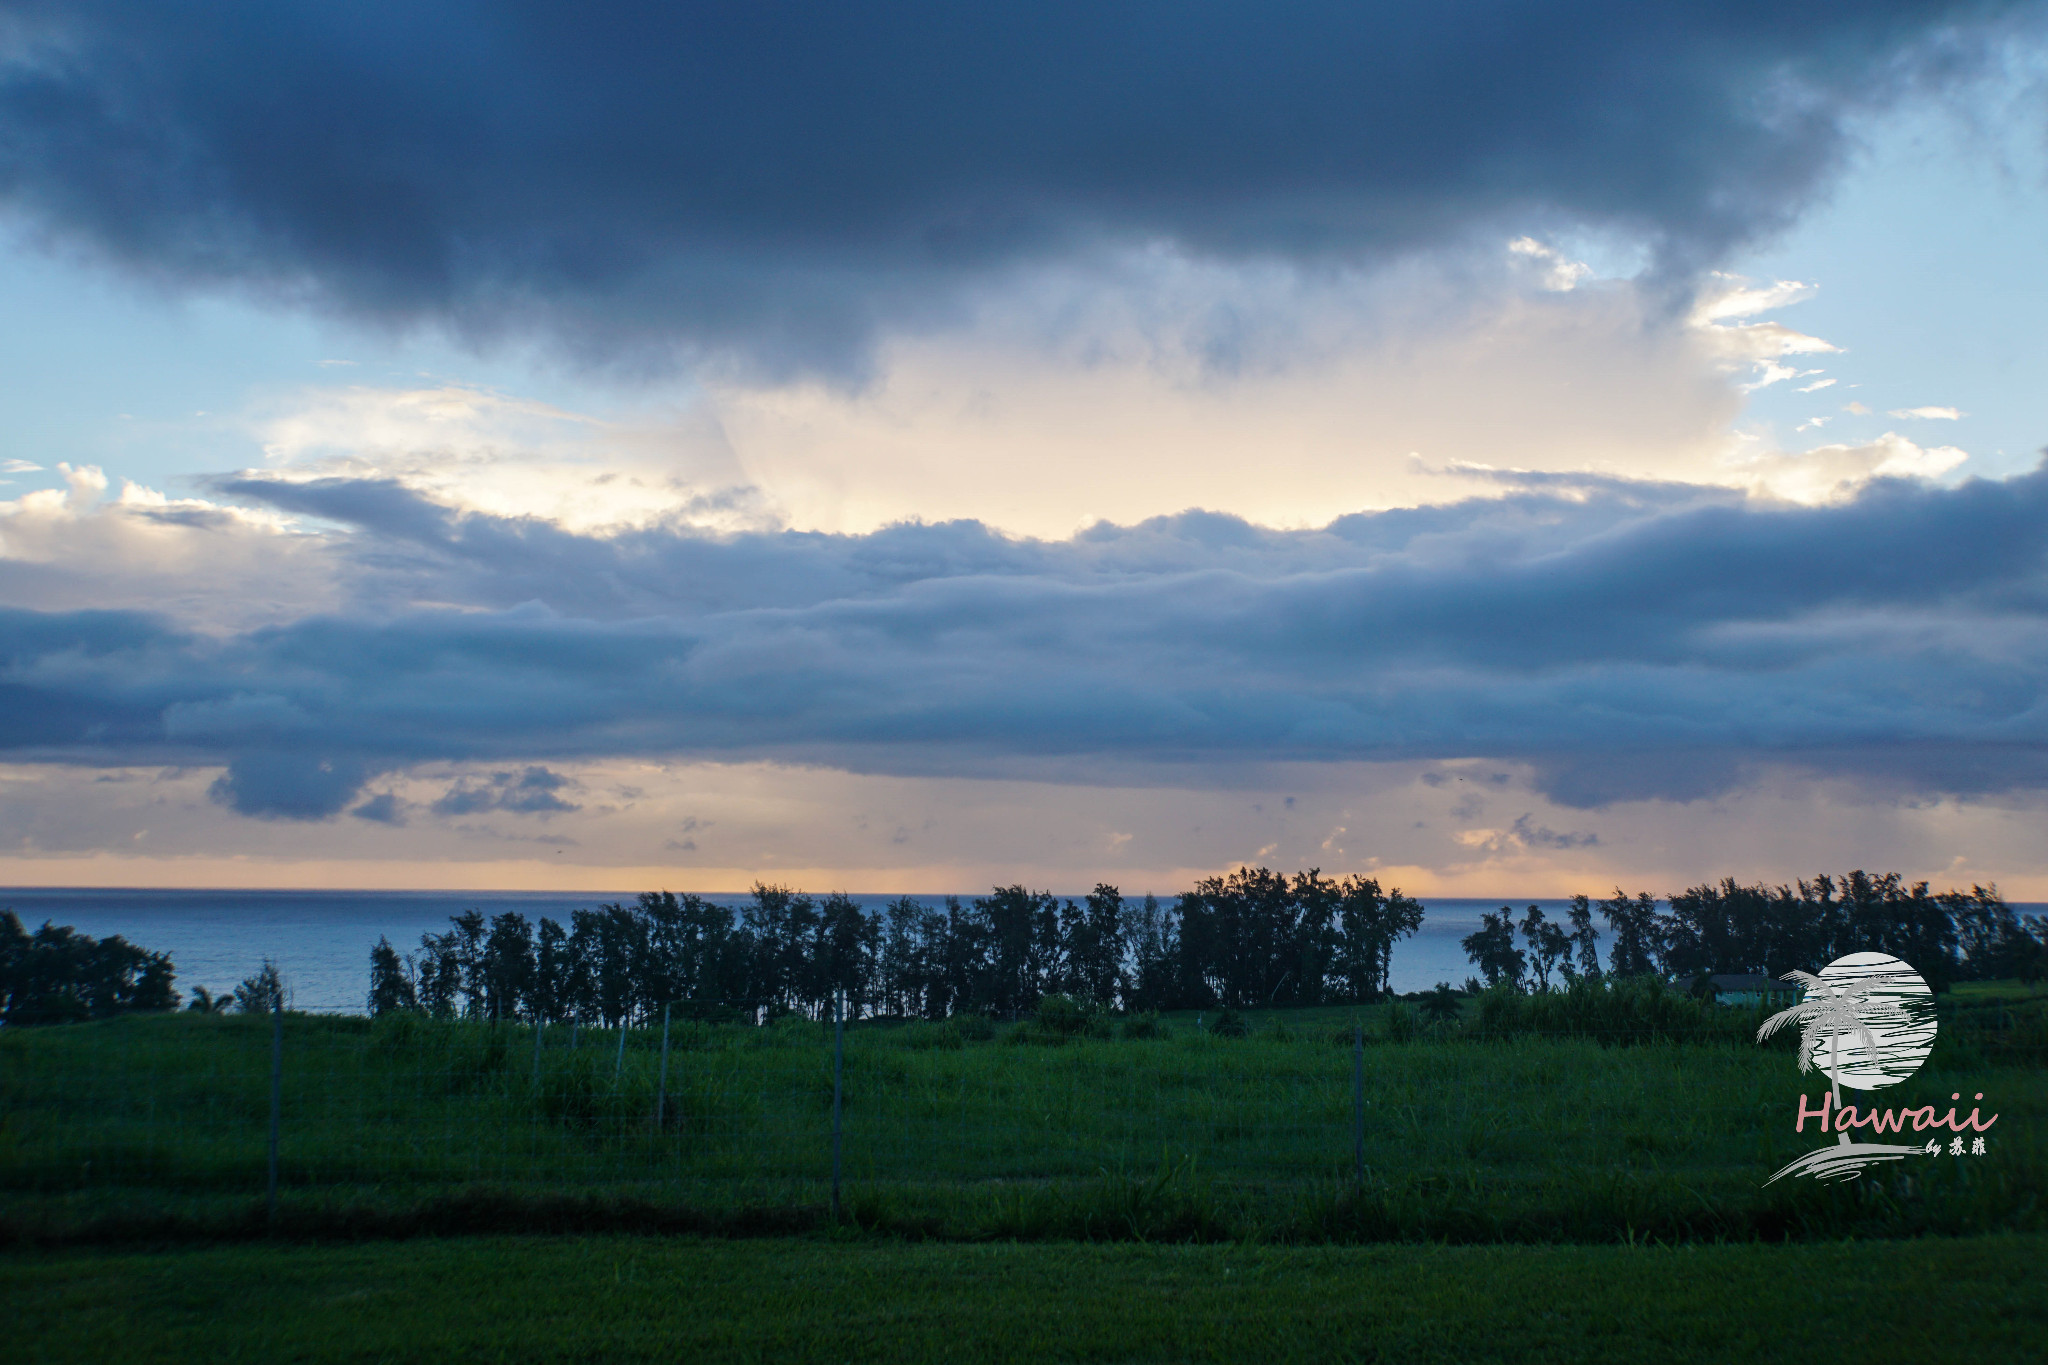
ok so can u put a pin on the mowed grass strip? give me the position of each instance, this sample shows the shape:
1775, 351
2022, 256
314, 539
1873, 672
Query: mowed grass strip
1935, 1299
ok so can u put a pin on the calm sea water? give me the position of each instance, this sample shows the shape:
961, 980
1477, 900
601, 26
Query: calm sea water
321, 940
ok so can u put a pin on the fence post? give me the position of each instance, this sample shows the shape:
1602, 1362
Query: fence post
619, 1064
276, 1103
838, 1071
538, 1025
661, 1086
1358, 1104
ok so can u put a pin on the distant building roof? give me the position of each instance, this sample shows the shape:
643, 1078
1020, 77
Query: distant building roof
1735, 982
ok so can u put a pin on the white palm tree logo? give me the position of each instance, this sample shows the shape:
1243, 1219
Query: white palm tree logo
1830, 1011
1878, 1002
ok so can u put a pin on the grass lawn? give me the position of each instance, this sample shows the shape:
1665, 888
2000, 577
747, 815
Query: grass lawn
611, 1298
145, 1126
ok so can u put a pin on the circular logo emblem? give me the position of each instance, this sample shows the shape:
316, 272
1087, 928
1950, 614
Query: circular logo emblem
1867, 1020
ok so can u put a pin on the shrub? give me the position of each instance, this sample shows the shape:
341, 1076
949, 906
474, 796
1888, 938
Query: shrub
1402, 1024
974, 1028
1062, 1015
1146, 1025
1061, 1019
1442, 1006
1617, 1011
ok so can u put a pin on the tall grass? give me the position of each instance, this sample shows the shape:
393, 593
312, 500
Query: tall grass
1619, 1013
1524, 1121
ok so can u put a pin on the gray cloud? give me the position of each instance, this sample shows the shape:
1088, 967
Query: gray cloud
631, 179
290, 786
1543, 836
531, 792
1624, 642
384, 808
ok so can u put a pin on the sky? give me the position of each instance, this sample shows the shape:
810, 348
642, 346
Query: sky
1497, 448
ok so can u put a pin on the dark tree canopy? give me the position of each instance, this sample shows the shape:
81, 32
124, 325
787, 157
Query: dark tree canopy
1252, 938
1729, 927
57, 975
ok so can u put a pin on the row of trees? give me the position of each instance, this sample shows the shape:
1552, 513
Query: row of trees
1254, 937
57, 975
1727, 927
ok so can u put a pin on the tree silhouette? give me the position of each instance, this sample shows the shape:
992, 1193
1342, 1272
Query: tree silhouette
262, 991
56, 975
1586, 939
390, 986
1638, 943
1548, 945
1492, 949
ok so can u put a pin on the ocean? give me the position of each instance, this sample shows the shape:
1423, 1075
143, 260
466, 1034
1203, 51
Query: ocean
321, 940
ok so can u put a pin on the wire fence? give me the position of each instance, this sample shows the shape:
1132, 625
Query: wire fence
148, 1111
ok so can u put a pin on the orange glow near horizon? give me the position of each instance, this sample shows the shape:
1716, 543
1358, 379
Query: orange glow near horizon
534, 875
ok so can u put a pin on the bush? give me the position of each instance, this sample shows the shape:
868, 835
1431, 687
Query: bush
1442, 1006
1230, 1024
1616, 1011
1402, 1024
1061, 1019
974, 1028
1146, 1025
1063, 1015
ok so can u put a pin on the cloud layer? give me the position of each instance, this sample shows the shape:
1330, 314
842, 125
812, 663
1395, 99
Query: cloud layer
1625, 639
778, 182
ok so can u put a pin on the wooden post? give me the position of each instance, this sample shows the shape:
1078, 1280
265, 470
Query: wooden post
276, 1102
538, 1026
1358, 1104
661, 1085
838, 1071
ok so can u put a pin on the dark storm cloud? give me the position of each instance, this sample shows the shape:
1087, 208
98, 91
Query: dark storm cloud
290, 786
384, 808
781, 178
1624, 642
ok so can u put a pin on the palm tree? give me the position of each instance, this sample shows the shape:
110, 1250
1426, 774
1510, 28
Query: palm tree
1827, 1010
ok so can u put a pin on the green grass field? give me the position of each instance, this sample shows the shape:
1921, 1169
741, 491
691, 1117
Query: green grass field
1009, 1195
151, 1126
614, 1298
